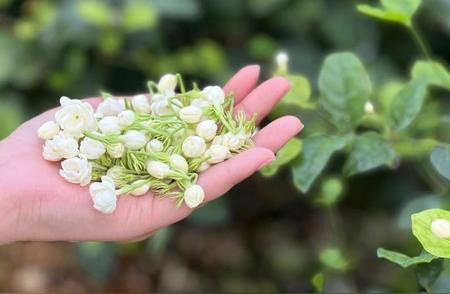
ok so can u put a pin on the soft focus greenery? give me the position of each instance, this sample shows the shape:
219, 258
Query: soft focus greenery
371, 83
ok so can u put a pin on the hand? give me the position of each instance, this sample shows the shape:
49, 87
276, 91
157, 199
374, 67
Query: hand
38, 204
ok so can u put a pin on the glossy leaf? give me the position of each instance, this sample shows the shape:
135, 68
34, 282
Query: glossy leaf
406, 105
344, 89
404, 260
400, 11
369, 151
440, 158
421, 227
284, 156
316, 151
433, 72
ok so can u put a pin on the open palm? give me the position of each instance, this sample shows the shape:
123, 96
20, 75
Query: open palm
49, 208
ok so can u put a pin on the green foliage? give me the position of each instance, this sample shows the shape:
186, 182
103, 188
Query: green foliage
300, 92
330, 192
440, 158
433, 72
428, 273
316, 151
344, 89
404, 260
421, 227
284, 156
369, 151
334, 259
138, 16
400, 11
318, 282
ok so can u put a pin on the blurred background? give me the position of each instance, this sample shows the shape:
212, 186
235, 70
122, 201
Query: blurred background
264, 235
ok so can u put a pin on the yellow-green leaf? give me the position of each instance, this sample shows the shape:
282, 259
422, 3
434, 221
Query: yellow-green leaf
284, 156
421, 227
433, 72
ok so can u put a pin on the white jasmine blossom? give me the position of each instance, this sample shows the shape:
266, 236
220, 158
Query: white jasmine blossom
190, 114
115, 150
207, 129
76, 170
48, 130
109, 125
204, 166
232, 141
214, 95
75, 117
154, 145
193, 146
368, 107
126, 118
194, 196
143, 187
134, 140
92, 149
200, 103
104, 195
179, 162
158, 169
441, 228
217, 153
282, 60
61, 146
167, 84
110, 107
141, 103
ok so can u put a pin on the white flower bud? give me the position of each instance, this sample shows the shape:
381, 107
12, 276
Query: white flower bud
158, 169
214, 95
104, 195
203, 166
154, 145
190, 114
144, 186
61, 146
217, 153
48, 130
207, 129
281, 60
115, 172
200, 103
115, 150
76, 170
368, 107
160, 105
134, 140
178, 162
232, 141
193, 146
110, 107
194, 196
126, 118
141, 103
441, 228
75, 117
218, 140
167, 83
92, 149
109, 125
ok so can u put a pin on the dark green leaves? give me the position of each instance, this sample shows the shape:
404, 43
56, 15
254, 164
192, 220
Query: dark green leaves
404, 260
400, 11
369, 151
428, 273
317, 150
434, 73
285, 155
344, 89
440, 158
407, 104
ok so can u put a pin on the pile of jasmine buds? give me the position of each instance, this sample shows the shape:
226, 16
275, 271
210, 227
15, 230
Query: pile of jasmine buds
158, 142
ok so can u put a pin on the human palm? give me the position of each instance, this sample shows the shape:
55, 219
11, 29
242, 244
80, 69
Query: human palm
49, 208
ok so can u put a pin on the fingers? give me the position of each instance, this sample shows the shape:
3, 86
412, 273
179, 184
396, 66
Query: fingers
277, 133
262, 99
242, 82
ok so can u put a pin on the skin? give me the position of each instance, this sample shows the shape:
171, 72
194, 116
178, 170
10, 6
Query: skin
37, 204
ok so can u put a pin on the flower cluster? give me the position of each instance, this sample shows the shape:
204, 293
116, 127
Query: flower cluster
158, 142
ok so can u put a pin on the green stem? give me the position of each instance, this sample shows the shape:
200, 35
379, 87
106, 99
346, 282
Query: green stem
420, 41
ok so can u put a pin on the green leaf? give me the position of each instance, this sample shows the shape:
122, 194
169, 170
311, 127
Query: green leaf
284, 156
404, 260
334, 259
434, 72
428, 273
300, 92
344, 89
316, 151
318, 282
421, 227
331, 191
95, 12
440, 158
138, 16
407, 104
400, 11
369, 151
